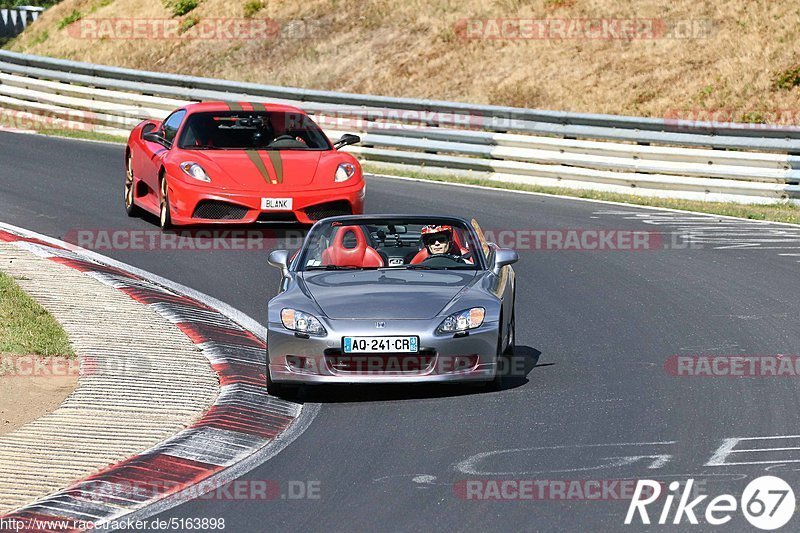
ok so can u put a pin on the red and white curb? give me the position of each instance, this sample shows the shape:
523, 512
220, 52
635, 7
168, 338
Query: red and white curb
242, 429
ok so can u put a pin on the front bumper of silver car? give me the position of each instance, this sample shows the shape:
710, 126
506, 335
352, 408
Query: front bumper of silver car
293, 358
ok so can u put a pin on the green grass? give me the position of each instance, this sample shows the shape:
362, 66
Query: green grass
101, 4
778, 212
788, 79
26, 328
179, 8
75, 16
39, 39
86, 135
251, 7
188, 23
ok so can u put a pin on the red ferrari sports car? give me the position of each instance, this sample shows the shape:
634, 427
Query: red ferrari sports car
239, 163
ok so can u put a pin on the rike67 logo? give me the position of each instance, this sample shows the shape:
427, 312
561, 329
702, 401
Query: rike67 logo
767, 502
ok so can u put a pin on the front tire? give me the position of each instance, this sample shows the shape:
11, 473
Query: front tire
130, 190
164, 218
497, 382
505, 357
512, 335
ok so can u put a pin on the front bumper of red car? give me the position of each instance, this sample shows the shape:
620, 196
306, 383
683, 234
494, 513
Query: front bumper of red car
200, 204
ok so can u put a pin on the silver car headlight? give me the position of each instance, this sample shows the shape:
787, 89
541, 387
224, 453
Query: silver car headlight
344, 172
302, 322
193, 170
462, 321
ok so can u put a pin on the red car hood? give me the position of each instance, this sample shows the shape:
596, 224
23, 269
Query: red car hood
257, 170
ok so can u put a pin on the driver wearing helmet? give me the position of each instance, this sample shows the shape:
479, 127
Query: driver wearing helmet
438, 239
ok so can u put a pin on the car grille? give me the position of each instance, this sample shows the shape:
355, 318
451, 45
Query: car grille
277, 217
380, 363
330, 209
215, 210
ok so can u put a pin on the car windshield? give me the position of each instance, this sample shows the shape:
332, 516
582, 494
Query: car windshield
412, 244
252, 130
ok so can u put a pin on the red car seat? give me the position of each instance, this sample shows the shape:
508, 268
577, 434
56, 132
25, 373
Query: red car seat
362, 255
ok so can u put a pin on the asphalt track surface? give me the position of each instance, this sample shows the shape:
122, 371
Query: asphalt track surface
595, 329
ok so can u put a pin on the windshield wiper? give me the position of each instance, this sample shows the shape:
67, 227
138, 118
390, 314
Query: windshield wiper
420, 267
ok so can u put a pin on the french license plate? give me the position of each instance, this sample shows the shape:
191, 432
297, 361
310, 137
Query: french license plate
276, 204
380, 344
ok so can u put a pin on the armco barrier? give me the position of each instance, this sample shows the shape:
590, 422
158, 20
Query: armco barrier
727, 162
14, 20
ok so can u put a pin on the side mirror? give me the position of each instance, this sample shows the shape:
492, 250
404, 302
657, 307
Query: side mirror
347, 139
153, 137
504, 257
279, 259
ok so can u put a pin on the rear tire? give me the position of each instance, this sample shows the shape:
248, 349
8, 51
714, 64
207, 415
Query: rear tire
130, 190
164, 218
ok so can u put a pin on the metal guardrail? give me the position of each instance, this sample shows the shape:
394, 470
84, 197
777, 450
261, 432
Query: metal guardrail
14, 20
625, 154
307, 95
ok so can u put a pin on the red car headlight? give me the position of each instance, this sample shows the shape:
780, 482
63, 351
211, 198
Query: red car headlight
344, 172
195, 171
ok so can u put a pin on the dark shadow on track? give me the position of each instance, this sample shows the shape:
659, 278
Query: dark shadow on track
519, 365
267, 227
257, 236
524, 360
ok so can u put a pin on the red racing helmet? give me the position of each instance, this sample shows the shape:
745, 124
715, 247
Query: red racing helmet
433, 229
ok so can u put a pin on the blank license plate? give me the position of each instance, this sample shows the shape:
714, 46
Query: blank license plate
276, 204
380, 344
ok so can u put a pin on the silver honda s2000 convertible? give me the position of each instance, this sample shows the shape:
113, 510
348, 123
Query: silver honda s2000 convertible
391, 299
